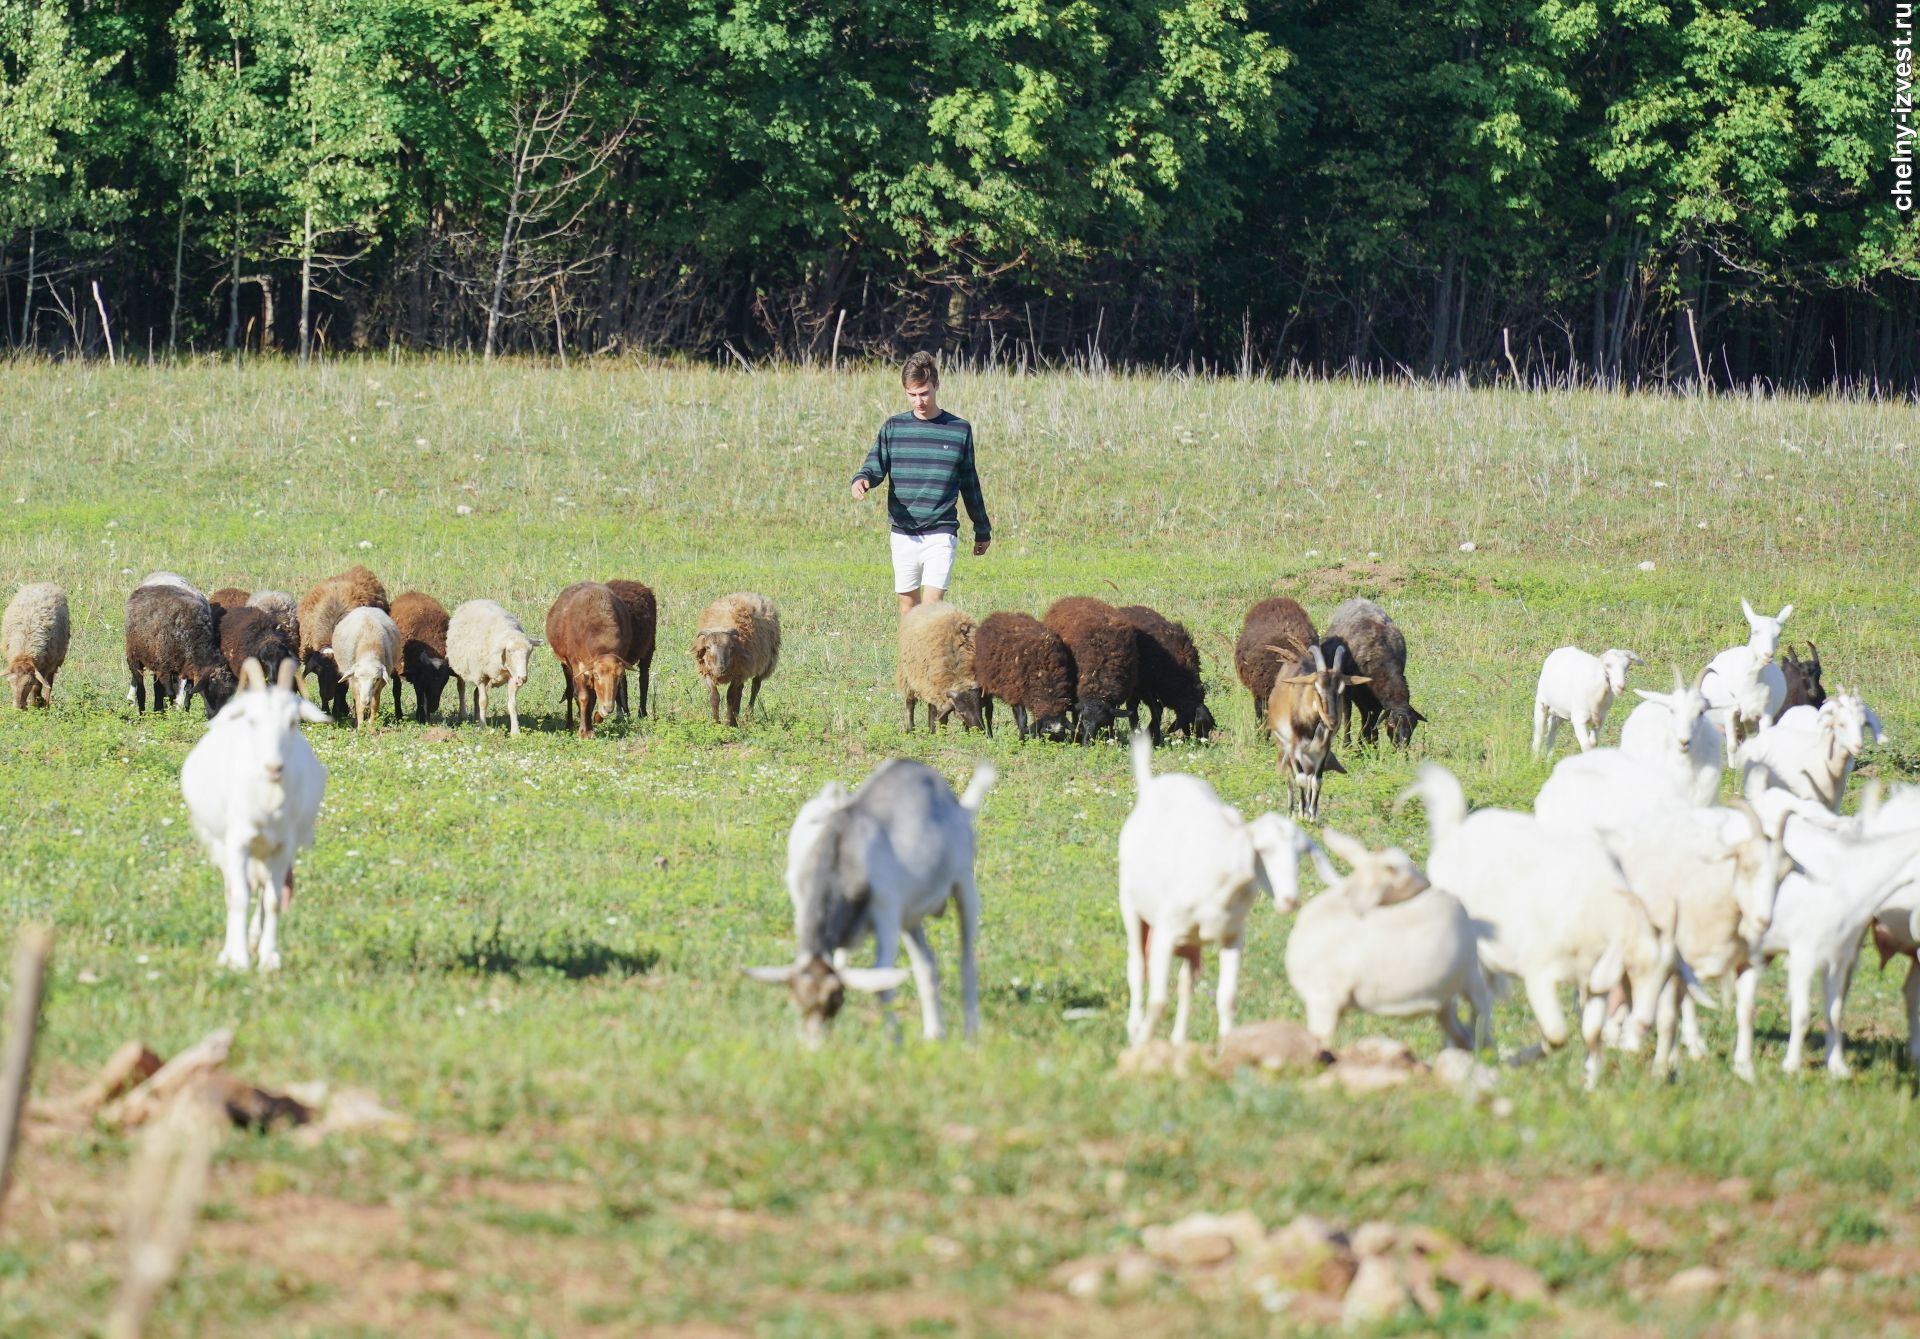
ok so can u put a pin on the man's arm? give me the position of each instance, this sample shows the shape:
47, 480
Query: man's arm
976, 504
874, 468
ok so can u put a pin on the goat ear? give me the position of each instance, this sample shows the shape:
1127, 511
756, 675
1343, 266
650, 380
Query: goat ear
251, 675
873, 980
312, 714
1747, 609
1356, 680
1333, 764
1786, 612
771, 976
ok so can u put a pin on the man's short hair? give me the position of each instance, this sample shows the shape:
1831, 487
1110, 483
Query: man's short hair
919, 370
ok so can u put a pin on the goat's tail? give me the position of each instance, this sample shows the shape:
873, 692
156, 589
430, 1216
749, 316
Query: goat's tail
1141, 750
984, 775
1439, 790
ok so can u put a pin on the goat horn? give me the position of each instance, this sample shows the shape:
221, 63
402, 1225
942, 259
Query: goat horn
251, 675
1319, 660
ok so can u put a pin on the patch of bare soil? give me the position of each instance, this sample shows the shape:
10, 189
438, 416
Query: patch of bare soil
1345, 580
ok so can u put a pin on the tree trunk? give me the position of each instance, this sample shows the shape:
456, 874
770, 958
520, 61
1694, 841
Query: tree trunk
523, 141
179, 260
26, 317
306, 282
1438, 348
233, 290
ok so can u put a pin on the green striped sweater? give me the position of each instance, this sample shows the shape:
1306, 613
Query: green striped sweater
930, 464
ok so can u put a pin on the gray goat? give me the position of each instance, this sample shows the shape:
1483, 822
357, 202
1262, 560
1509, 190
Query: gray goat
880, 862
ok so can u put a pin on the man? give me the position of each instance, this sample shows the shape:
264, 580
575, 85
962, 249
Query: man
928, 455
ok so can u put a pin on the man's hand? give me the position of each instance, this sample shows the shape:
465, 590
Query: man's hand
860, 487
980, 547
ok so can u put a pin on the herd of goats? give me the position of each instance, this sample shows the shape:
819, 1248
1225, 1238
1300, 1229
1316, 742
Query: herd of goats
1632, 881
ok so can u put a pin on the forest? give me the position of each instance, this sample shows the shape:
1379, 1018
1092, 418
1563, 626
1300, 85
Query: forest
1625, 192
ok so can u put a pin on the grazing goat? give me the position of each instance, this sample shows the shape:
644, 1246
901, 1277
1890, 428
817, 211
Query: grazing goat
1106, 660
34, 634
1023, 662
738, 643
1379, 651
1259, 656
254, 788
170, 636
1305, 710
1578, 687
422, 621
881, 861
936, 665
644, 610
1190, 870
487, 647
1169, 676
589, 630
365, 652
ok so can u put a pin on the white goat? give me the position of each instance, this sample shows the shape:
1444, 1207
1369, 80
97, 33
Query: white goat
1190, 871
881, 861
1385, 942
1812, 750
487, 647
1550, 908
1671, 730
365, 649
1606, 791
1743, 687
1578, 687
253, 788
1896, 925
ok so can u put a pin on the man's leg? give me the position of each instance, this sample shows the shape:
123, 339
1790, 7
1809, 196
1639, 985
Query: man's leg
937, 567
931, 595
908, 599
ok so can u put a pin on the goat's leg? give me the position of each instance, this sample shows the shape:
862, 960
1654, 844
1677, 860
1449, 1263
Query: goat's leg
1586, 733
1229, 986
1690, 1028
1480, 995
1456, 1031
926, 981
1839, 976
886, 951
1593, 1017
1912, 991
1800, 970
1159, 967
1543, 996
1137, 933
969, 898
271, 884
233, 873
1746, 995
1183, 996
1542, 733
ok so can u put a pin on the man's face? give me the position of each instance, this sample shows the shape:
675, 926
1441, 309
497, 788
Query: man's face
920, 396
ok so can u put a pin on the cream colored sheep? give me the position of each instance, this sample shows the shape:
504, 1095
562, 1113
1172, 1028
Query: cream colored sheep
366, 652
33, 639
487, 647
936, 665
738, 643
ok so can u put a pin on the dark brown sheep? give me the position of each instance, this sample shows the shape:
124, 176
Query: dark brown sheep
422, 621
1278, 622
1169, 675
247, 633
320, 608
225, 599
1377, 649
170, 636
589, 631
1106, 660
645, 611
1023, 662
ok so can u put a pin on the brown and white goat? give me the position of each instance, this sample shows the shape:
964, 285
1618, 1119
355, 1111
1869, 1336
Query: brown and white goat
1304, 712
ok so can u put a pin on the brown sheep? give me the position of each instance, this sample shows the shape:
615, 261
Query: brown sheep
1377, 649
1169, 676
422, 621
644, 608
320, 608
589, 631
1278, 622
936, 665
1106, 659
738, 642
34, 635
248, 633
170, 636
1023, 662
224, 600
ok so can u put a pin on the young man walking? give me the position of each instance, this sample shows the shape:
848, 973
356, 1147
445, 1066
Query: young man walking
928, 455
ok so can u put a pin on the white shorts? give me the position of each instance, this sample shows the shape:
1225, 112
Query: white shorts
923, 560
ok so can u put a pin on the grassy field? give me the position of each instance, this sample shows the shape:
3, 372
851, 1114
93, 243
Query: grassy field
530, 946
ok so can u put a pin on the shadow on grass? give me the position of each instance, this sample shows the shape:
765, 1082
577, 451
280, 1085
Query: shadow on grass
499, 952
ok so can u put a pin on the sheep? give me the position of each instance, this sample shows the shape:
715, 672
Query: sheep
177, 688
589, 630
284, 608
1305, 710
1671, 730
643, 609
1106, 660
225, 600
1168, 677
936, 665
254, 634
170, 635
422, 621
34, 634
1378, 650
325, 604
1259, 657
1023, 662
365, 652
1551, 908
738, 642
173, 579
1802, 678
1191, 869
487, 647
1414, 954
1811, 752
253, 788
1577, 687
881, 861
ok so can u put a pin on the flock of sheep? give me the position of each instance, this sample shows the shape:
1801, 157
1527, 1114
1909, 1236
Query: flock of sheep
1631, 881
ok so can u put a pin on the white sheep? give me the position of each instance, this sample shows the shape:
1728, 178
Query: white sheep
1190, 871
1671, 730
366, 650
1743, 687
881, 861
1410, 952
254, 788
1578, 687
487, 647
1812, 750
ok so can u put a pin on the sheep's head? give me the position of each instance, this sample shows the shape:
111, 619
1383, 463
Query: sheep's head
429, 675
966, 701
1053, 727
1614, 664
818, 989
30, 687
514, 655
1095, 716
600, 678
1400, 720
1763, 633
1198, 722
714, 650
215, 684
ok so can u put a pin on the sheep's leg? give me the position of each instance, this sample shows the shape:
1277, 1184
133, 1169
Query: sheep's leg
1259, 711
713, 701
1838, 977
233, 872
620, 697
480, 702
1746, 994
1136, 968
1153, 723
139, 690
584, 689
270, 885
753, 696
910, 714
1799, 1007
567, 690
926, 982
513, 707
1912, 991
1020, 722
460, 694
1229, 986
644, 675
1183, 997
733, 703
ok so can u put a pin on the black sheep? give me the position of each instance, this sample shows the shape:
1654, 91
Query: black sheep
1169, 676
170, 636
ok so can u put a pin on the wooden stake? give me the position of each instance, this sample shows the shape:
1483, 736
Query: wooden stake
30, 956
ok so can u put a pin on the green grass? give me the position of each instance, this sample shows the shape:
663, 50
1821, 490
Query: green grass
531, 945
